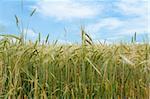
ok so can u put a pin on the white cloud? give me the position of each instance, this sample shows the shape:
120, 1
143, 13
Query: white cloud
30, 34
115, 26
138, 11
133, 7
61, 41
67, 9
135, 13
109, 23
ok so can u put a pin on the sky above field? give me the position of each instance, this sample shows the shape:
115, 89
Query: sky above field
110, 20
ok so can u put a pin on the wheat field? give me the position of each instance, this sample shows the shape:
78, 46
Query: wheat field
43, 70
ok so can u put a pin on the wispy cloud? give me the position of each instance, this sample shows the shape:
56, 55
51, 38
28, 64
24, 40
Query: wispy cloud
137, 14
31, 34
64, 42
66, 10
109, 23
134, 18
137, 8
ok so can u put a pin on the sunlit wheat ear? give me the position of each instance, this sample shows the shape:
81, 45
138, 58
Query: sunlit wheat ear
47, 37
32, 13
86, 39
39, 37
17, 20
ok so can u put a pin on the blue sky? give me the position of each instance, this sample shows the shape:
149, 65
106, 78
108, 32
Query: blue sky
110, 20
